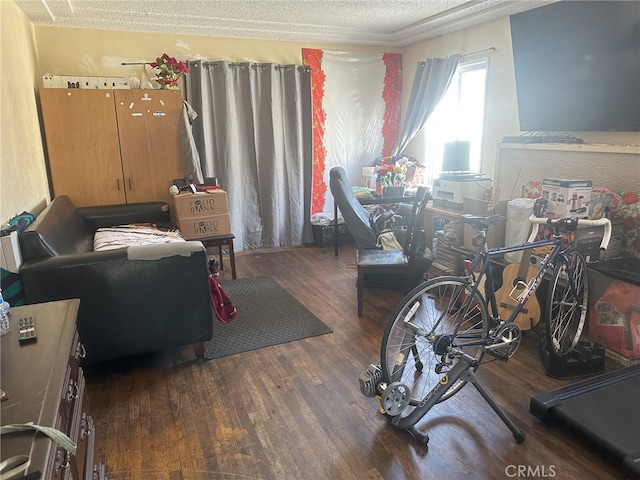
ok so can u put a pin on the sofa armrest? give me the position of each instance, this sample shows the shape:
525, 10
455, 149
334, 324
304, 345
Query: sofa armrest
158, 299
112, 215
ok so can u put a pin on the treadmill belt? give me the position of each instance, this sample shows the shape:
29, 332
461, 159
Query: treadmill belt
606, 409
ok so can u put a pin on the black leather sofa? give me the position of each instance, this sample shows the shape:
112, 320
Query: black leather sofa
133, 300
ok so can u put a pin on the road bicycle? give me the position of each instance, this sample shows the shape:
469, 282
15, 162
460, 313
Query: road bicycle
438, 335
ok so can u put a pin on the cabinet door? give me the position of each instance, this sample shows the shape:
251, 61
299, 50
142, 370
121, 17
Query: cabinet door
82, 145
149, 142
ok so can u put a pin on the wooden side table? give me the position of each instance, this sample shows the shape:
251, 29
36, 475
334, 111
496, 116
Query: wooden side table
220, 241
432, 212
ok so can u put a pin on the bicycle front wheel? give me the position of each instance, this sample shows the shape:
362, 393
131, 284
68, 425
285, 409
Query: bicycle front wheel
437, 313
567, 303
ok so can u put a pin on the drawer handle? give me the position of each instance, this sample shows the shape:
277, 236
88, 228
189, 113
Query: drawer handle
63, 459
73, 391
85, 428
81, 352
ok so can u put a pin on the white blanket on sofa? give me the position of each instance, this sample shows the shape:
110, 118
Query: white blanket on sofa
122, 236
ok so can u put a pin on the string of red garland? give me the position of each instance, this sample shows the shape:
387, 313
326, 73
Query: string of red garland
392, 96
313, 58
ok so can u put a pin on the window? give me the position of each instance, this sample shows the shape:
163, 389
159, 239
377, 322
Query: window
458, 116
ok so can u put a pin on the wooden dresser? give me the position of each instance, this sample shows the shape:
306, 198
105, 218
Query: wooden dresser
44, 384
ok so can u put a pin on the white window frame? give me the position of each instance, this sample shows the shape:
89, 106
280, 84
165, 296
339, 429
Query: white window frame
446, 125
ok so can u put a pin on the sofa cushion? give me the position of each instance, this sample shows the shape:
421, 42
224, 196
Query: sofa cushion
58, 230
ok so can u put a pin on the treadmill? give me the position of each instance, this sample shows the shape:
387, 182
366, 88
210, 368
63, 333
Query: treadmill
606, 409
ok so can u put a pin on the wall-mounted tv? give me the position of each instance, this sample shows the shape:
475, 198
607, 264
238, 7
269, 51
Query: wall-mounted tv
577, 66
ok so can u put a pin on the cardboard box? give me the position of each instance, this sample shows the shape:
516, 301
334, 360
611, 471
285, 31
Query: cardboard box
600, 205
193, 228
566, 198
201, 204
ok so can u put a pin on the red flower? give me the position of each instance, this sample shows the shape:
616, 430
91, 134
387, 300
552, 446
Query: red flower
630, 198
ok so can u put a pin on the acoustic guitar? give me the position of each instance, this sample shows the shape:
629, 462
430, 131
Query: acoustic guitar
514, 281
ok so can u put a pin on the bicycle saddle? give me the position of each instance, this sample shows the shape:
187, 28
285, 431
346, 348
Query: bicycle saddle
481, 222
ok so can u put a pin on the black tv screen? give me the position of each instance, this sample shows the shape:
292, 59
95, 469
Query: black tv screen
577, 66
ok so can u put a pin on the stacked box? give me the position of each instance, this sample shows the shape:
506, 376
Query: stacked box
566, 198
600, 205
202, 214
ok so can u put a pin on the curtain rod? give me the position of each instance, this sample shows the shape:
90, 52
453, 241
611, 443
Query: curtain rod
490, 49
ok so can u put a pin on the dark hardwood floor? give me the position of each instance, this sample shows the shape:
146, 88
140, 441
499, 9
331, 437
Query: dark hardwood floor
295, 411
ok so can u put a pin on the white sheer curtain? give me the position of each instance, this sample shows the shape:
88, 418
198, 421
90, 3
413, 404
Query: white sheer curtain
430, 82
354, 113
254, 134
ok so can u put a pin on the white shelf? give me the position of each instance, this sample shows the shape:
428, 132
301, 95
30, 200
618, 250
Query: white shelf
574, 147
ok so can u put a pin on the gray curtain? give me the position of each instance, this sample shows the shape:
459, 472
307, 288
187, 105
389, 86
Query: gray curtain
430, 83
254, 134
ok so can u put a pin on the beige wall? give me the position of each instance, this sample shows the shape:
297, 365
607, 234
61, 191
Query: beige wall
68, 51
23, 176
501, 108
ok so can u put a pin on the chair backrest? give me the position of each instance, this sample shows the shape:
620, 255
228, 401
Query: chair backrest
355, 216
415, 230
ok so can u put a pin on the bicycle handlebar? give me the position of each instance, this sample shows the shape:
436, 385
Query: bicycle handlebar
580, 222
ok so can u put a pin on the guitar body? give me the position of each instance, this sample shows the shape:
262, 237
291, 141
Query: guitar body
514, 279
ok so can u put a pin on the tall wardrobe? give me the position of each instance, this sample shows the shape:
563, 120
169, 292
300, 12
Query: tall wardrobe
112, 146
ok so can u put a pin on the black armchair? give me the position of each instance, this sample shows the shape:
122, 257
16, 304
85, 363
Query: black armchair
133, 300
411, 263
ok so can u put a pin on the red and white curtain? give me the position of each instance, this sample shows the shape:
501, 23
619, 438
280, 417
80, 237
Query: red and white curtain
356, 102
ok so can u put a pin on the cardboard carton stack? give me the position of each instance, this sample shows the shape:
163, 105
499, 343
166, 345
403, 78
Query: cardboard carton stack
202, 214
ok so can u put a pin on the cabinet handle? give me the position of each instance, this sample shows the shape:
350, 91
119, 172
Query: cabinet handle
118, 184
63, 459
85, 429
129, 180
81, 352
73, 391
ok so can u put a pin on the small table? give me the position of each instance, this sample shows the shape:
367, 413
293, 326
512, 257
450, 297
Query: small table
220, 241
366, 201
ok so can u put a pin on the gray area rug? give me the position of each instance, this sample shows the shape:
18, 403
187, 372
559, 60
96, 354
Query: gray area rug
267, 315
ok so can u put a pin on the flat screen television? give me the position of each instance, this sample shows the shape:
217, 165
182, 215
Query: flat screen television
577, 66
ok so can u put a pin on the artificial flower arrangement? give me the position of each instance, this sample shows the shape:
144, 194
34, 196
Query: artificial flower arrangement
170, 71
392, 173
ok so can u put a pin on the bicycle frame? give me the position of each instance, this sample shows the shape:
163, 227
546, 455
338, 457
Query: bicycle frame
484, 260
498, 334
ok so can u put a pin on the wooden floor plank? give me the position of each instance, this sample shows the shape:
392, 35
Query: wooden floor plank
295, 411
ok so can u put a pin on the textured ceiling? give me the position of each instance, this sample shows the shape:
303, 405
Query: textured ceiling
360, 22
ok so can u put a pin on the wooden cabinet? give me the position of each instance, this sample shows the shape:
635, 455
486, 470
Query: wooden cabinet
44, 384
112, 146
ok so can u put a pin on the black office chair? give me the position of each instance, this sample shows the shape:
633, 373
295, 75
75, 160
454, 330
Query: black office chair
411, 263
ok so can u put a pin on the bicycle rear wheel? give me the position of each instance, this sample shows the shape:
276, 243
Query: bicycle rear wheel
435, 314
566, 311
